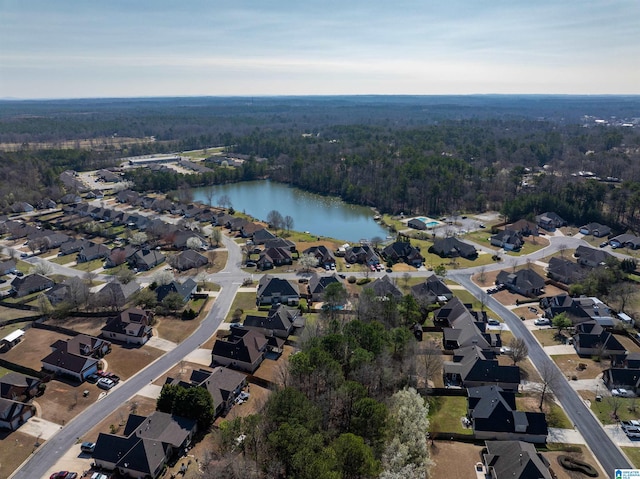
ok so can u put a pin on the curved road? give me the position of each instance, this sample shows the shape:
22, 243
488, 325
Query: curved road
230, 279
48, 454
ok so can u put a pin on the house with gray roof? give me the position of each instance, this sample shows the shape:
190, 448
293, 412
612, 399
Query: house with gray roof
323, 254
93, 251
189, 259
453, 248
318, 283
29, 284
595, 229
130, 326
591, 257
515, 460
431, 291
272, 290
565, 271
278, 322
591, 339
525, 282
146, 446
403, 251
243, 349
14, 413
146, 259
550, 221
184, 289
384, 287
66, 362
493, 415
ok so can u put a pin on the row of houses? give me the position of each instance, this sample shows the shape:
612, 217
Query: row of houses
16, 399
491, 387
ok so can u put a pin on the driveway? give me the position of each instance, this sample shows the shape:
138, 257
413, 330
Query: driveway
40, 428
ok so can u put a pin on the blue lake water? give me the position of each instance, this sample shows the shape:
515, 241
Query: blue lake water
320, 215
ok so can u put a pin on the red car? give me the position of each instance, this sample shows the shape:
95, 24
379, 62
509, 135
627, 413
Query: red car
64, 475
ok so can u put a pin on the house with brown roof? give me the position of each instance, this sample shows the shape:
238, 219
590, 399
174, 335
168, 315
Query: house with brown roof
131, 327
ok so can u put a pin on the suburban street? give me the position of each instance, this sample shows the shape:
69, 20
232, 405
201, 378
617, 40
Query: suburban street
231, 278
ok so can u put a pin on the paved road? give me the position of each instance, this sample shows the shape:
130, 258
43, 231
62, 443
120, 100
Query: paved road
49, 453
606, 452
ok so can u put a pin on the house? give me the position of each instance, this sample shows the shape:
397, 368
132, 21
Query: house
262, 236
384, 287
184, 289
14, 413
74, 290
473, 367
591, 339
272, 257
403, 251
317, 285
243, 349
453, 248
324, 256
189, 259
279, 321
550, 221
493, 415
508, 239
69, 362
19, 387
417, 224
182, 237
131, 327
626, 378
84, 345
592, 257
146, 259
116, 293
93, 251
248, 230
579, 310
94, 195
595, 229
281, 243
499, 459
525, 282
146, 446
272, 290
625, 241
46, 204
223, 384
363, 254
565, 271
31, 283
119, 256
525, 228
70, 198
431, 291
21, 207
7, 267
73, 246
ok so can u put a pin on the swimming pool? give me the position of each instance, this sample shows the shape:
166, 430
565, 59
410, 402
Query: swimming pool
428, 221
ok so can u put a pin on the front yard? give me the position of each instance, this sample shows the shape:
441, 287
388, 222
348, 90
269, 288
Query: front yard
247, 303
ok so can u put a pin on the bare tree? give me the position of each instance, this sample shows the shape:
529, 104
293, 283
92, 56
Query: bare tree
90, 277
275, 220
288, 223
615, 403
518, 350
376, 241
549, 376
562, 249
482, 276
209, 194
41, 267
224, 201
216, 236
432, 359
406, 277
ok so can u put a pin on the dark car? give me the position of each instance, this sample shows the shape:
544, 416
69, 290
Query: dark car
64, 475
93, 378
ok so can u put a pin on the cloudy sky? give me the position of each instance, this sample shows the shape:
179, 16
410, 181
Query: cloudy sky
118, 48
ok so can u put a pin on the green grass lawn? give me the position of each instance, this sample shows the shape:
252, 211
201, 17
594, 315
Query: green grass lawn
633, 453
89, 265
528, 248
246, 302
546, 336
604, 409
446, 412
556, 417
4, 371
68, 258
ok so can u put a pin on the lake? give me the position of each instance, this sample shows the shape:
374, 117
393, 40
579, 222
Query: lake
320, 215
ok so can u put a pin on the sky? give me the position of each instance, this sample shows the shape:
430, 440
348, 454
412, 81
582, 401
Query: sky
124, 48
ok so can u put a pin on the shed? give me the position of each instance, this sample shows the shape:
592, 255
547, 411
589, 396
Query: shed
11, 339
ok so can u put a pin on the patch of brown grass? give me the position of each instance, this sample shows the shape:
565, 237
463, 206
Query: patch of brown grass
16, 448
35, 345
127, 361
175, 329
568, 364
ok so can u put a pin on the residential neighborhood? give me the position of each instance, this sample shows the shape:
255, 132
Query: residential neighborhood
148, 289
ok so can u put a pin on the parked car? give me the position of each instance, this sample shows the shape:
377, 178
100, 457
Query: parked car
93, 378
481, 225
603, 244
493, 322
632, 432
505, 350
627, 424
106, 383
620, 392
244, 396
64, 475
542, 322
87, 446
532, 309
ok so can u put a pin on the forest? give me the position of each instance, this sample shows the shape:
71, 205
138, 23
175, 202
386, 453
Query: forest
520, 155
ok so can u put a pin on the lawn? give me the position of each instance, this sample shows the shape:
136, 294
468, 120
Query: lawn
11, 313
547, 336
246, 302
627, 408
219, 260
175, 329
633, 453
568, 364
16, 448
89, 265
65, 259
531, 245
446, 413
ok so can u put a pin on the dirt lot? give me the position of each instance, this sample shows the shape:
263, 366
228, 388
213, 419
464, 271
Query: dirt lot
16, 447
34, 346
456, 459
63, 401
90, 326
174, 329
126, 361
568, 364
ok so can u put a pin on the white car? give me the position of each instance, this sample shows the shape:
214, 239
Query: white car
620, 392
106, 383
542, 322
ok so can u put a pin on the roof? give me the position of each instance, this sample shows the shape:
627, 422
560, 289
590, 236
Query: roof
243, 345
61, 358
11, 337
189, 259
524, 279
317, 283
280, 318
184, 289
384, 286
269, 285
453, 247
515, 460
